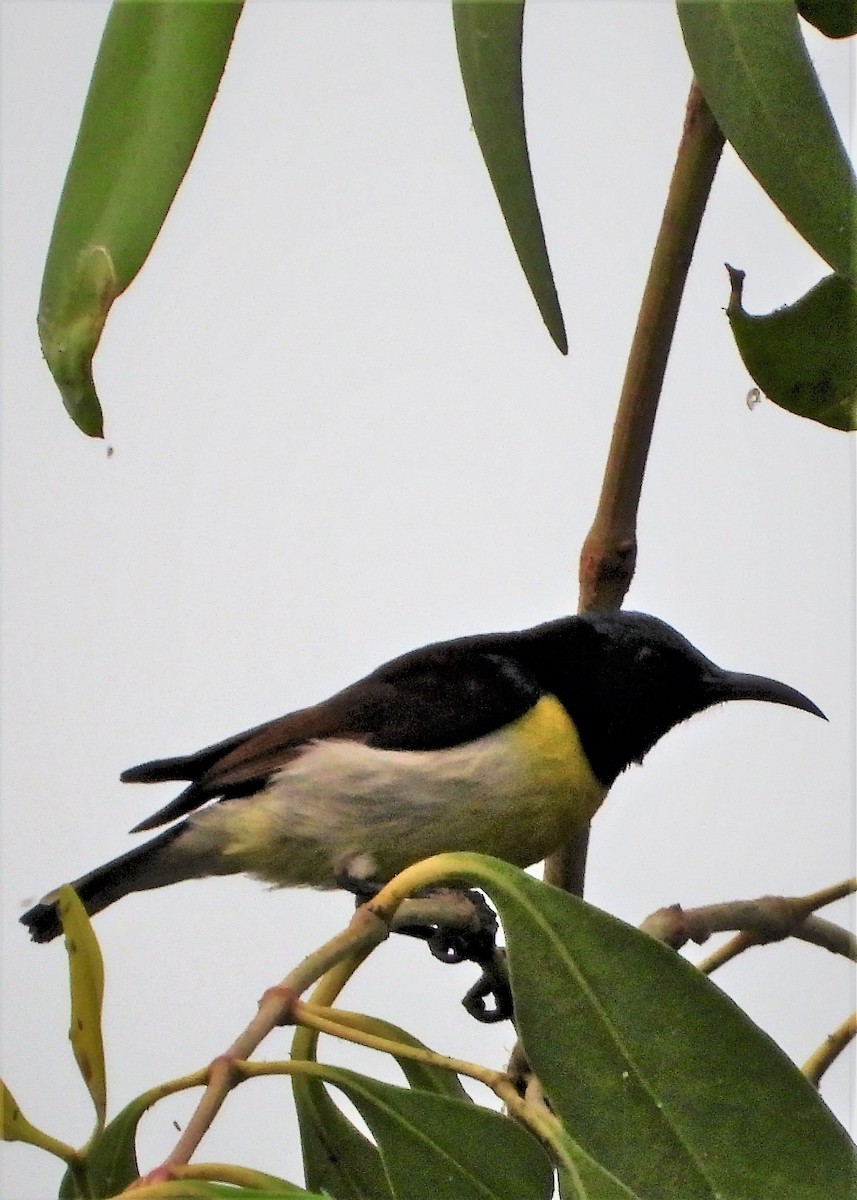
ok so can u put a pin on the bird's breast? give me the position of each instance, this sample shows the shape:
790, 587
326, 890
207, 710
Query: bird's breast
516, 793
555, 788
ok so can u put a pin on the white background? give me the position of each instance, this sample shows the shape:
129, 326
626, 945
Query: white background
341, 431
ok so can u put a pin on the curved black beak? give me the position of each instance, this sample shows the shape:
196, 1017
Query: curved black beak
735, 685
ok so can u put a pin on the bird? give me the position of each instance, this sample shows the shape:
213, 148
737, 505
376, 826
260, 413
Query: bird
501, 743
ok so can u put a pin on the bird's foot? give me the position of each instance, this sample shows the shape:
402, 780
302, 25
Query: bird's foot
477, 943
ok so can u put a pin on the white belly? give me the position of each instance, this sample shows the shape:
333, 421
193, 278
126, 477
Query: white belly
516, 794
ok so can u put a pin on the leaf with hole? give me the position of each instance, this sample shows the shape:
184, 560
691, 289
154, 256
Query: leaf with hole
803, 356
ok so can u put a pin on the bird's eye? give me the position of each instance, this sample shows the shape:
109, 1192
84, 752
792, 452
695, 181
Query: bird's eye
644, 655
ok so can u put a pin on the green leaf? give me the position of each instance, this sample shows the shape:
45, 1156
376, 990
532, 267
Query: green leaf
602, 1187
585, 1179
338, 1158
803, 356
833, 18
752, 64
488, 36
204, 1189
436, 1148
111, 1160
423, 1076
284, 1192
267, 1186
656, 1074
86, 979
154, 82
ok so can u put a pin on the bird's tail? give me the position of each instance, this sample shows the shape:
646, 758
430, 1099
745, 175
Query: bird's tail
140, 869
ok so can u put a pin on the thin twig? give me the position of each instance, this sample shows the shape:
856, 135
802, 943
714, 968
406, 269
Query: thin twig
326, 1021
365, 931
334, 962
814, 929
829, 1050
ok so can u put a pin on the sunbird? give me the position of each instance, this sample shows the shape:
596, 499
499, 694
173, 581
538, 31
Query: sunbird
499, 743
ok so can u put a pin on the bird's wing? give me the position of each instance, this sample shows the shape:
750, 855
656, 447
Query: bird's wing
429, 700
441, 697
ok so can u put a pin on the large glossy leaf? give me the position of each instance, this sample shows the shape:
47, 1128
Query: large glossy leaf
752, 64
803, 356
488, 35
436, 1148
86, 980
586, 1180
154, 82
582, 1178
654, 1072
578, 1188
337, 1156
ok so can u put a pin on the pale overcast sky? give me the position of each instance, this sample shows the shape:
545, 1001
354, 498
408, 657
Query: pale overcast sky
340, 431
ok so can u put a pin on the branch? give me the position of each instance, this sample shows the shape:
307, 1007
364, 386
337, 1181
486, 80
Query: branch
766, 919
609, 552
815, 930
335, 961
364, 932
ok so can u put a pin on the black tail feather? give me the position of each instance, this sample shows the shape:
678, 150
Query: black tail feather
131, 872
43, 922
160, 770
192, 797
183, 766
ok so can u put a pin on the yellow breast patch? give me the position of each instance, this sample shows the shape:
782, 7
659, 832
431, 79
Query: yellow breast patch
557, 770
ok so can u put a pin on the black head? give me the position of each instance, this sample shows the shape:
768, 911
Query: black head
627, 678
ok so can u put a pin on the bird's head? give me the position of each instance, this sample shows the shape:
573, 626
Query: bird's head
632, 677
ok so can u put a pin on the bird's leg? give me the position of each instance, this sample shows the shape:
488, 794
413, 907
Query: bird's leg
360, 888
494, 981
477, 944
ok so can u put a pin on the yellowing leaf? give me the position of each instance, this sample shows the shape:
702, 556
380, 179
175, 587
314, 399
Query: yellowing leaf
86, 977
14, 1127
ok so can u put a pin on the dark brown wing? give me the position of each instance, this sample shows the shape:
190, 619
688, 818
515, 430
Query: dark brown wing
431, 699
